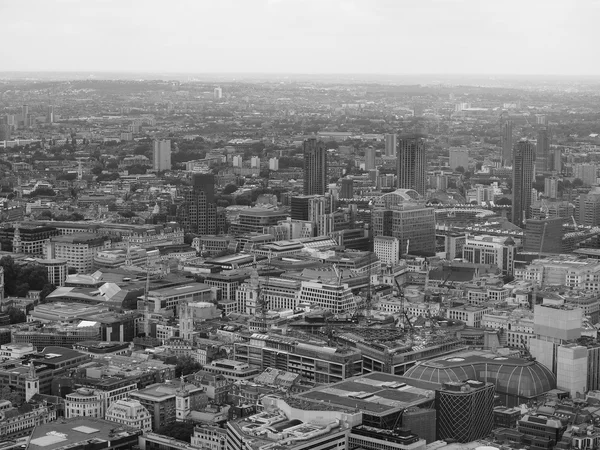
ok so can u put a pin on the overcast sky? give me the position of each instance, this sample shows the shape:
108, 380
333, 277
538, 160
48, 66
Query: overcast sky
302, 36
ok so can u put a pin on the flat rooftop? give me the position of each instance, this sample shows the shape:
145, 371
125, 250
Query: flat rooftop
375, 393
77, 432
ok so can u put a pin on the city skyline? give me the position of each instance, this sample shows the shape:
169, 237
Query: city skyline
279, 36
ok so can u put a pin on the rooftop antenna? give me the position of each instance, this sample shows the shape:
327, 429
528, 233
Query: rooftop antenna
146, 306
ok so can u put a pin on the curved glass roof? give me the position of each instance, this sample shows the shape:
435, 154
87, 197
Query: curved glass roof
512, 376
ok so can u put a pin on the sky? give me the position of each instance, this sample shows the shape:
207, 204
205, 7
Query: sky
548, 37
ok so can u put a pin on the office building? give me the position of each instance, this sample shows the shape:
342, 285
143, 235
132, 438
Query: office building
391, 144
586, 173
544, 235
199, 214
541, 431
78, 249
411, 163
274, 164
57, 270
523, 176
413, 225
465, 410
572, 369
496, 250
4, 132
507, 143
542, 151
162, 155
369, 158
313, 361
130, 413
458, 157
83, 433
387, 249
326, 428
315, 167
347, 190
253, 220
553, 326
588, 208
218, 93
551, 187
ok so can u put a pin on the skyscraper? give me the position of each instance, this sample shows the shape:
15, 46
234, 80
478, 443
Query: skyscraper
162, 155
411, 163
542, 154
391, 142
198, 214
369, 158
507, 143
347, 190
315, 167
50, 114
524, 156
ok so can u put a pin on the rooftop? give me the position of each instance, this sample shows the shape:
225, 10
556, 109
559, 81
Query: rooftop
375, 393
79, 432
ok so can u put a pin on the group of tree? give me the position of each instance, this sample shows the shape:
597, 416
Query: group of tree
19, 280
73, 217
182, 431
43, 192
6, 393
186, 365
108, 176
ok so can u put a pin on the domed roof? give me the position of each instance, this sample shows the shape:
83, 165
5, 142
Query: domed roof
512, 376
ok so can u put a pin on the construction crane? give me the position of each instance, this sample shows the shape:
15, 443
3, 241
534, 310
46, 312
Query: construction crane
575, 223
146, 306
401, 295
525, 350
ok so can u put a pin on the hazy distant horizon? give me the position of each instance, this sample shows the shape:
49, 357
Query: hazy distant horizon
302, 36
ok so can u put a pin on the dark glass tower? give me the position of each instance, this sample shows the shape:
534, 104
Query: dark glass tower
315, 167
507, 143
198, 213
524, 157
542, 154
411, 163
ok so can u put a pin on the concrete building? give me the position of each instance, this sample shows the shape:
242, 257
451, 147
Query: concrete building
412, 164
459, 157
588, 173
562, 270
471, 315
542, 150
57, 270
199, 214
391, 144
315, 167
387, 249
572, 369
551, 187
274, 164
347, 189
370, 158
130, 413
162, 155
588, 208
77, 249
499, 251
523, 176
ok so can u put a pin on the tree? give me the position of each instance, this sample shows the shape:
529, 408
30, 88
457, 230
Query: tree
67, 176
504, 202
460, 169
577, 182
97, 170
35, 275
11, 273
46, 290
229, 189
182, 431
186, 365
113, 165
6, 393
43, 192
188, 238
15, 315
127, 214
137, 170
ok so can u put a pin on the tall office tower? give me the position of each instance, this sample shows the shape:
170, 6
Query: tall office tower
4, 132
551, 187
541, 119
391, 144
411, 164
369, 159
507, 143
556, 163
347, 190
544, 235
458, 157
315, 167
50, 114
198, 213
542, 151
162, 155
524, 157
413, 225
25, 114
218, 93
465, 410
